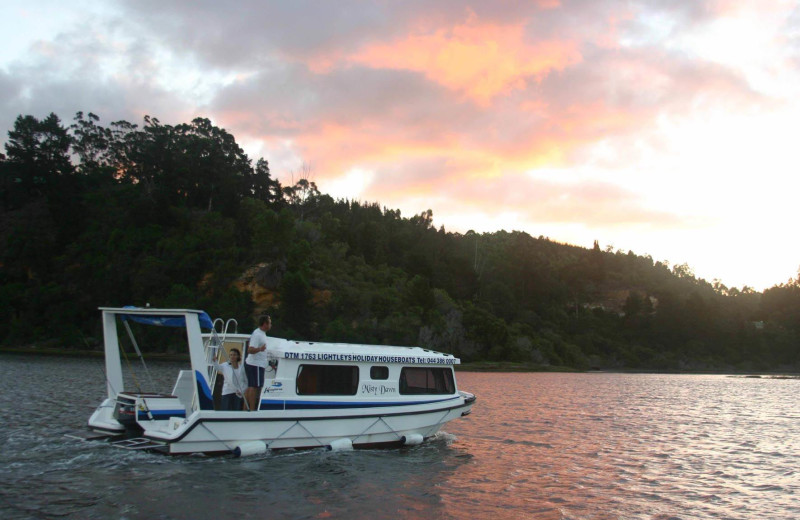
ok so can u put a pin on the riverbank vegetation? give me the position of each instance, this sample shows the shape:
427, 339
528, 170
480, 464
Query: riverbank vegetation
179, 216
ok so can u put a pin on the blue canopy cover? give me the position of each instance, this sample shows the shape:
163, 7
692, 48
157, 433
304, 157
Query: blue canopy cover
166, 321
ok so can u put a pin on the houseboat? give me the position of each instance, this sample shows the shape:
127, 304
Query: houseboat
331, 395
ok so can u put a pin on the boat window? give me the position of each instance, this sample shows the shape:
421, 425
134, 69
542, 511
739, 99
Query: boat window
379, 372
327, 380
427, 380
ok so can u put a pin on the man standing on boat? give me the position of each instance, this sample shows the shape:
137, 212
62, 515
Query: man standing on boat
256, 362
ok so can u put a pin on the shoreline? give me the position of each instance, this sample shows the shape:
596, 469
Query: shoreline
472, 366
51, 352
510, 367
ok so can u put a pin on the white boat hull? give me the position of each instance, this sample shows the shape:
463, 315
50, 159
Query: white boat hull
212, 431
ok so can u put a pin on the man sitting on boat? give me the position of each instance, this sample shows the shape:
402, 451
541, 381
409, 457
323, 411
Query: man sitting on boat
256, 362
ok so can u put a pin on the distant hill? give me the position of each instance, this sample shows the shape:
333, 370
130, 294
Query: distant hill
180, 216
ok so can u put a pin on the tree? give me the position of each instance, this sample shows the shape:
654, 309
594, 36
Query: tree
262, 186
303, 193
38, 155
211, 171
90, 142
683, 271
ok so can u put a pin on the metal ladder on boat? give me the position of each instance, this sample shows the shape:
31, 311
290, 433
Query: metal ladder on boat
214, 345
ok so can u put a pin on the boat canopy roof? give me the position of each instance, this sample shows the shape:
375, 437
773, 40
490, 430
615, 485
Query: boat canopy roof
159, 317
290, 349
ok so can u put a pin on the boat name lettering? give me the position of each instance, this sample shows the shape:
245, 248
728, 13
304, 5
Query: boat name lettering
365, 358
377, 389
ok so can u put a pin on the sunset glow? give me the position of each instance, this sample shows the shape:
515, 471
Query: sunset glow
662, 128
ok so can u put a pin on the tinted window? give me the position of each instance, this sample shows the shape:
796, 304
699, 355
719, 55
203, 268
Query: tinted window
427, 380
327, 380
379, 372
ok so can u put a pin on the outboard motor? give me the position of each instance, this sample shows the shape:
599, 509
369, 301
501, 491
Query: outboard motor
125, 413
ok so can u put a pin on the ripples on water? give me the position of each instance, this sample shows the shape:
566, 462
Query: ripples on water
550, 446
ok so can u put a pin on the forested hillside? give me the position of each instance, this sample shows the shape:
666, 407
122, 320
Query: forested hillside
179, 216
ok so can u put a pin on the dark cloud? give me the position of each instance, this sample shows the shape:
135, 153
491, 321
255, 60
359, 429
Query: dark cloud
249, 34
83, 69
296, 100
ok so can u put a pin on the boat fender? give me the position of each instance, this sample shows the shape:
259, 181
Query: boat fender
250, 448
412, 439
343, 444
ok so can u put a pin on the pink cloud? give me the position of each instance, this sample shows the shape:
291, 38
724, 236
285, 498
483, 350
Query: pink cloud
480, 60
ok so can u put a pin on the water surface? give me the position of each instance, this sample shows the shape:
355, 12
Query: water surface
549, 446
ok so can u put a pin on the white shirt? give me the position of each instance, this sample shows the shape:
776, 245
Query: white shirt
257, 339
235, 378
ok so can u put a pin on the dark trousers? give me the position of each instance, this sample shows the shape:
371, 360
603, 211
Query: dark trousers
232, 402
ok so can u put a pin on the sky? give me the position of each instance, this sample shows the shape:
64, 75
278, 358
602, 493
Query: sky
665, 128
